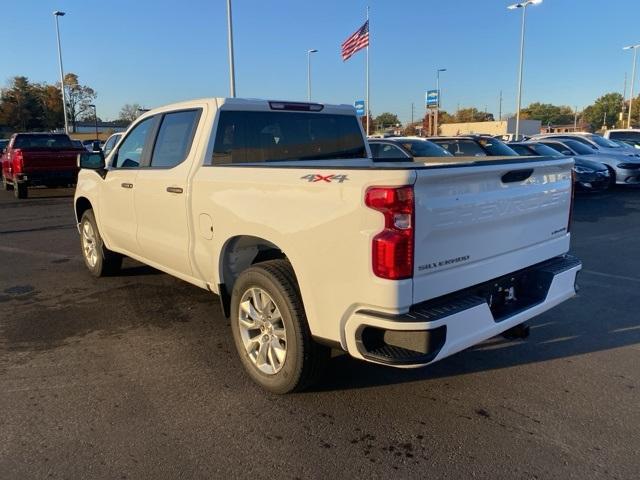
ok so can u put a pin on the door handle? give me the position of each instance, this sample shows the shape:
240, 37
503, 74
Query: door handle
126, 185
174, 190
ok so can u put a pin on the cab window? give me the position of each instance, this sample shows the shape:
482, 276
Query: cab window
129, 153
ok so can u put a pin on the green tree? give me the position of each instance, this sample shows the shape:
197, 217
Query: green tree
605, 110
20, 107
548, 113
385, 120
129, 112
79, 97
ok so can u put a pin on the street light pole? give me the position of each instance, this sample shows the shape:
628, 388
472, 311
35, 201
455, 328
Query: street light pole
95, 119
309, 52
523, 6
232, 70
57, 14
633, 79
435, 119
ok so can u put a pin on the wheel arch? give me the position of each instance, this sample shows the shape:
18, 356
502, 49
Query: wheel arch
82, 204
239, 253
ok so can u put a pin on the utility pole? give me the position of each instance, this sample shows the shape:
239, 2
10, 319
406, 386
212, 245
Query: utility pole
575, 119
500, 107
232, 69
633, 79
411, 113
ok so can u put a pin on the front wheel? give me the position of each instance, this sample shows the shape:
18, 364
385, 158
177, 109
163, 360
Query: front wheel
270, 329
20, 190
99, 259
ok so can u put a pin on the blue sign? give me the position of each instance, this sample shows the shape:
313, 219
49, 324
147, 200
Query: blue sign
431, 98
359, 104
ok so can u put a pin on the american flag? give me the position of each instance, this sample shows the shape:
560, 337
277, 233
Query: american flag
357, 41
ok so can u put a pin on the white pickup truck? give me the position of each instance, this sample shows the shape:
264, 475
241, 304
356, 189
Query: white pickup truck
278, 208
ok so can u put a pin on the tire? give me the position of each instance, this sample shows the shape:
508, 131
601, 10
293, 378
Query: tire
20, 190
6, 186
100, 261
304, 359
612, 179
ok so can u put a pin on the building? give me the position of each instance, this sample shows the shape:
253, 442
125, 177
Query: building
571, 127
503, 127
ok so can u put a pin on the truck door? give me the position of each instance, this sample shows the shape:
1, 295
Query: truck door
118, 222
161, 199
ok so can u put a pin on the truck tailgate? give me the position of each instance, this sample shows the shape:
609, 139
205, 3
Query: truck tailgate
44, 160
478, 222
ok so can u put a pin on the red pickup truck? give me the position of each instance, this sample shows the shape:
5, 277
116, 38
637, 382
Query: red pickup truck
31, 159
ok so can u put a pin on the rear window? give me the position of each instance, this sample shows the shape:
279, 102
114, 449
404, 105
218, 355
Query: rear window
543, 149
579, 147
524, 151
462, 147
55, 142
630, 137
424, 148
245, 137
495, 147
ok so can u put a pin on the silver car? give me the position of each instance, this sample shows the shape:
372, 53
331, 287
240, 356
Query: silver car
595, 142
625, 167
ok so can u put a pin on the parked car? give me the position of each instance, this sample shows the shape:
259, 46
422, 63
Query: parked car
31, 159
92, 145
512, 137
279, 209
3, 145
630, 136
474, 146
593, 141
111, 143
405, 149
625, 169
77, 143
589, 174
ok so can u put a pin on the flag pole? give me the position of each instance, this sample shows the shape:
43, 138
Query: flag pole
367, 112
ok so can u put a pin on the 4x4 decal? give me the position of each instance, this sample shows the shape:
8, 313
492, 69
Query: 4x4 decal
316, 177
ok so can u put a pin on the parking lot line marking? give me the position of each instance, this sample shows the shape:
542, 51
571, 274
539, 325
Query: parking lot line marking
611, 275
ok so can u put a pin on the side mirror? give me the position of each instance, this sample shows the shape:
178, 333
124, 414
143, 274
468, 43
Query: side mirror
91, 160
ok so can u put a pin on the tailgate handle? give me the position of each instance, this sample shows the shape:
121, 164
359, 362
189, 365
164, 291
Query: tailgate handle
126, 185
517, 175
174, 190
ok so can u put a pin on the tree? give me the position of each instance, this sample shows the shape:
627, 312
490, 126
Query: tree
635, 114
472, 114
129, 112
548, 113
50, 98
385, 120
20, 106
604, 111
79, 97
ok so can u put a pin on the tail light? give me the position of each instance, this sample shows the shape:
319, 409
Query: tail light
573, 189
18, 161
392, 248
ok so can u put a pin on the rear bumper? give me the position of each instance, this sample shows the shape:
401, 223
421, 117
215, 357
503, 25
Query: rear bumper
47, 178
593, 180
435, 329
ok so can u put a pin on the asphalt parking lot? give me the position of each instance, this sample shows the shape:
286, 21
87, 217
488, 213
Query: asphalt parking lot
135, 376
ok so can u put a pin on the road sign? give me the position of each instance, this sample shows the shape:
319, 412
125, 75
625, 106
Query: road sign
359, 104
431, 98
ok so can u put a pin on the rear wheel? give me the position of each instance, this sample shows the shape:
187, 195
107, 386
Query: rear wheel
270, 329
99, 259
6, 185
20, 190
